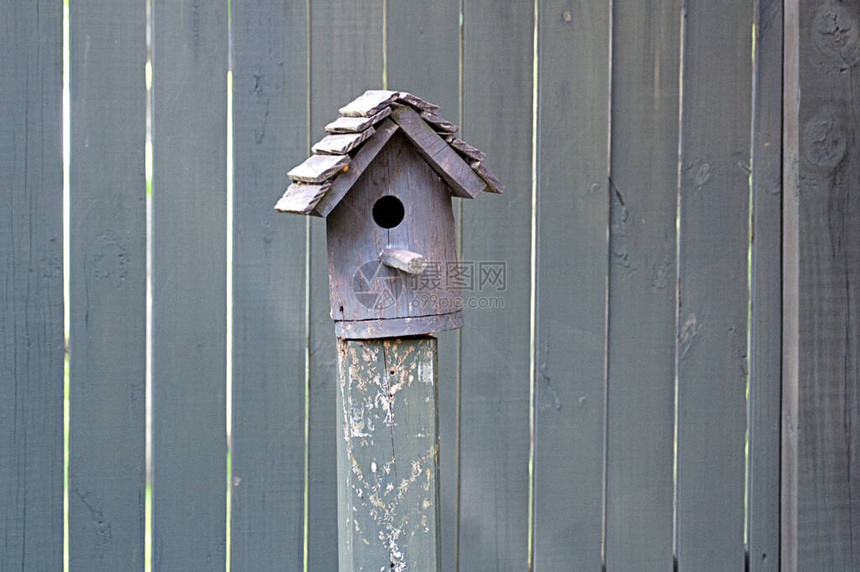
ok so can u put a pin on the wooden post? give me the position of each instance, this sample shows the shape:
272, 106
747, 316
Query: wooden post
388, 453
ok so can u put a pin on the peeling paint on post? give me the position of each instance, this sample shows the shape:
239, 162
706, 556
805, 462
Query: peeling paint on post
388, 452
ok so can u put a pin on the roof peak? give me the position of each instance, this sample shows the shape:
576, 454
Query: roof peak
364, 127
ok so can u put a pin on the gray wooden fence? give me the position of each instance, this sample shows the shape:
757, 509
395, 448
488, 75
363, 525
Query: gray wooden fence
672, 376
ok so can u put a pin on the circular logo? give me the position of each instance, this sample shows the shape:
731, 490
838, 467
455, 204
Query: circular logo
376, 286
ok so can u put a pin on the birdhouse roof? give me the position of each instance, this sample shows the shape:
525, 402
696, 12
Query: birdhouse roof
356, 137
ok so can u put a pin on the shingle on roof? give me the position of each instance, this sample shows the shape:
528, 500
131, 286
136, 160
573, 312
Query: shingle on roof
302, 198
347, 135
369, 103
356, 124
342, 143
318, 168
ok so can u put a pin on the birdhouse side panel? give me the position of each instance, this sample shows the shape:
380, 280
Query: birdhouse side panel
399, 202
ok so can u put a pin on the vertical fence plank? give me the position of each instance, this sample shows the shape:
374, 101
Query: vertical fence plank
765, 282
431, 31
822, 285
107, 362
189, 103
573, 215
494, 445
713, 304
790, 289
642, 280
346, 59
269, 337
31, 302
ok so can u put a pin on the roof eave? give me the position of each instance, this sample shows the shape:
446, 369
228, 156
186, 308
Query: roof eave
365, 156
438, 153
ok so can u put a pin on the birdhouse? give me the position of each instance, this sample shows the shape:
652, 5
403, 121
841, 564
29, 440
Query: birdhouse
383, 178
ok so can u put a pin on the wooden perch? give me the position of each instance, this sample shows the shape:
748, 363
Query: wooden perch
404, 260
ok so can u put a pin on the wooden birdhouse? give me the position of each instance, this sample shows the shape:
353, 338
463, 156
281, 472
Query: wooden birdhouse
383, 178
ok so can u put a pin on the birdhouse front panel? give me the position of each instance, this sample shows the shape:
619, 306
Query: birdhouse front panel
399, 204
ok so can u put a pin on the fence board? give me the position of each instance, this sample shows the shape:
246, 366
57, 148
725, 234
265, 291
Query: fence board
431, 31
269, 336
765, 282
822, 284
790, 289
571, 304
494, 443
189, 284
346, 59
31, 295
107, 362
713, 304
642, 286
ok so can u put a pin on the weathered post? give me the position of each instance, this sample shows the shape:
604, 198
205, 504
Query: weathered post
383, 178
388, 455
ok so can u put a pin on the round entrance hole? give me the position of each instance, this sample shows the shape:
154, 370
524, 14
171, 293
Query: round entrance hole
388, 211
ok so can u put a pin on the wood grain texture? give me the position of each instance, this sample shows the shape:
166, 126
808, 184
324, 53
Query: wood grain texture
467, 151
433, 30
346, 59
398, 327
822, 284
302, 198
401, 30
713, 303
493, 183
107, 359
766, 281
362, 287
340, 144
419, 131
494, 445
356, 124
189, 106
363, 158
388, 455
571, 292
269, 333
406, 260
790, 289
369, 103
31, 294
319, 168
445, 161
403, 25
642, 279
439, 123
